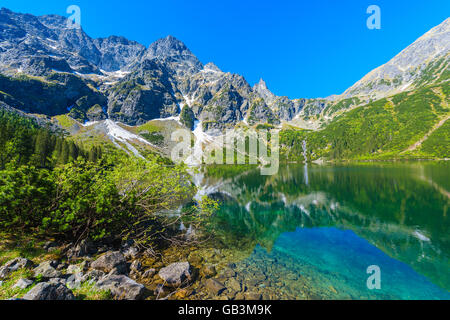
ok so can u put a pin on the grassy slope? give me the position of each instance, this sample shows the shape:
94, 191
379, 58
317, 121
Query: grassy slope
383, 129
89, 136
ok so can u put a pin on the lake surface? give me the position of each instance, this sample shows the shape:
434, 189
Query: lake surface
316, 229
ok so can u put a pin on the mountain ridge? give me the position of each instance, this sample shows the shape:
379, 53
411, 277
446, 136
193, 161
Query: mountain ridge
122, 80
433, 45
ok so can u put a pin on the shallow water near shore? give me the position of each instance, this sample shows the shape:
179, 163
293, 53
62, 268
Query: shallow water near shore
311, 232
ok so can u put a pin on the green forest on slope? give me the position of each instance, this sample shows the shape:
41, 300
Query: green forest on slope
53, 187
23, 142
382, 130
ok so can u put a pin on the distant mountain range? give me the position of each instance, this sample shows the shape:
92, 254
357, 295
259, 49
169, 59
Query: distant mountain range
49, 69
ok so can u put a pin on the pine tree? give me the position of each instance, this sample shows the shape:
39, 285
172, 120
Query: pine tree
92, 157
73, 151
42, 148
64, 157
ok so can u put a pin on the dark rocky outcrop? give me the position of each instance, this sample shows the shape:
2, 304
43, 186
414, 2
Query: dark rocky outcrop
146, 93
118, 78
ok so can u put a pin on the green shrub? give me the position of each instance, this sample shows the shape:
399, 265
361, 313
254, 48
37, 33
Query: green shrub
50, 186
25, 193
83, 199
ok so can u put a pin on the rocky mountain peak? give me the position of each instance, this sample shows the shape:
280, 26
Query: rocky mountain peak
261, 89
134, 84
167, 47
443, 27
261, 85
176, 54
211, 67
53, 21
418, 64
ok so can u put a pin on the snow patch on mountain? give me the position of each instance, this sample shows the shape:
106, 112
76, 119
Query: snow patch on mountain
119, 134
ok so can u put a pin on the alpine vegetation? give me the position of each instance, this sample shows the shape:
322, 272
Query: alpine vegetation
140, 172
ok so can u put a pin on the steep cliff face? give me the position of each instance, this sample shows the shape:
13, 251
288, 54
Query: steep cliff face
118, 52
55, 94
144, 94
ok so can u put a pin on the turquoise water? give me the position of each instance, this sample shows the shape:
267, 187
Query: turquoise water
344, 257
328, 224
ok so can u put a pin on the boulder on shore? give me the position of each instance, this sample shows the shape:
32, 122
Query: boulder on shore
14, 265
93, 276
122, 287
109, 261
46, 270
23, 283
73, 268
49, 291
176, 274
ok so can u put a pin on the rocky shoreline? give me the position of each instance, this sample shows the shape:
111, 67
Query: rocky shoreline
175, 273
127, 273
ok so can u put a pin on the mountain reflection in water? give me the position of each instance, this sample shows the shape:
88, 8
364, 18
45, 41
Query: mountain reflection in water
338, 220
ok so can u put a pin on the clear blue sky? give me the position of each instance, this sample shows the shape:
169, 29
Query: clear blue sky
301, 48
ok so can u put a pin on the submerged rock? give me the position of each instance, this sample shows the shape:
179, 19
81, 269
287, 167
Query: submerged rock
182, 294
239, 296
49, 291
252, 296
234, 285
149, 273
176, 274
228, 273
209, 271
215, 287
